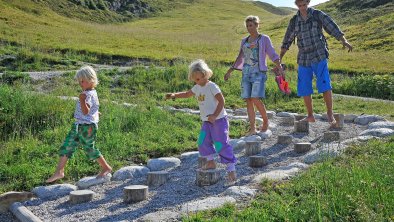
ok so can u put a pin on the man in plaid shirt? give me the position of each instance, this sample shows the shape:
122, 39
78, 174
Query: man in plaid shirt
312, 57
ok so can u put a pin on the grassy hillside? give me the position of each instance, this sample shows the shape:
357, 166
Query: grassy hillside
205, 29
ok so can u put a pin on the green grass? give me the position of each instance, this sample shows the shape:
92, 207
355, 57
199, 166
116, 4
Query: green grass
33, 126
211, 30
358, 186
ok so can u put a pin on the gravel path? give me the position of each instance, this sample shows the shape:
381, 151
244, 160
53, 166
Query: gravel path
108, 205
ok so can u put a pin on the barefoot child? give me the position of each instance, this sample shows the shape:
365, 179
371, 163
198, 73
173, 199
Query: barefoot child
214, 134
83, 131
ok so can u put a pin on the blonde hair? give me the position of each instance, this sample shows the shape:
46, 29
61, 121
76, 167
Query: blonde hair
199, 66
87, 73
252, 18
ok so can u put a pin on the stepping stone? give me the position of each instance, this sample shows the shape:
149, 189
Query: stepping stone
157, 178
87, 182
202, 161
380, 132
190, 156
161, 216
366, 119
381, 124
6, 199
302, 147
163, 163
299, 117
349, 118
53, 191
130, 172
340, 118
252, 148
285, 139
301, 126
206, 204
257, 161
207, 177
331, 136
135, 193
240, 192
81, 196
286, 121
22, 213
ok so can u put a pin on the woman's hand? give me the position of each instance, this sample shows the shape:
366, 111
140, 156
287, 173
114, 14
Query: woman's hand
228, 74
346, 44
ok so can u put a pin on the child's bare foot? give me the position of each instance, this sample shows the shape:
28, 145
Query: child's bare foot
55, 177
210, 164
251, 132
264, 127
104, 173
232, 176
310, 119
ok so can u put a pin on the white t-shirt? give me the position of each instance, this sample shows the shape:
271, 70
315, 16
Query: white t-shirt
92, 116
207, 102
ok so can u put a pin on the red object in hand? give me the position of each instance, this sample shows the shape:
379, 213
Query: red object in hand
281, 81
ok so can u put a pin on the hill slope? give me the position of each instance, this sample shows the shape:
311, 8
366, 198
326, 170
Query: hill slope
205, 29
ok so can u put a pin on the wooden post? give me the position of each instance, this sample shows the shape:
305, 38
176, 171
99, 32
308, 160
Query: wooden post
135, 193
257, 161
252, 148
301, 126
302, 147
331, 136
286, 121
340, 118
201, 161
81, 196
23, 214
157, 178
285, 139
207, 177
299, 117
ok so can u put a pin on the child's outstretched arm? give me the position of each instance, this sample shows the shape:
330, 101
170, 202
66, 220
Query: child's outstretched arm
212, 117
186, 94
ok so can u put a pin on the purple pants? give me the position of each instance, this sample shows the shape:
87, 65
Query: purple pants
214, 138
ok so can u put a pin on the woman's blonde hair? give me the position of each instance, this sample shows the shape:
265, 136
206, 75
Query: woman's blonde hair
252, 18
199, 66
87, 73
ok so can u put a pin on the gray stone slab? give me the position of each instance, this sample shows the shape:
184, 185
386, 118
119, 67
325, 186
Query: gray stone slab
206, 204
53, 191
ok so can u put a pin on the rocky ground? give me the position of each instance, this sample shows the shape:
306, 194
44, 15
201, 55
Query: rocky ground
181, 196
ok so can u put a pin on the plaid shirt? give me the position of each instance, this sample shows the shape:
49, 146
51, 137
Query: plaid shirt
312, 47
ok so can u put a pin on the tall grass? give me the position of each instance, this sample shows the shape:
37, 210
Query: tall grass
354, 187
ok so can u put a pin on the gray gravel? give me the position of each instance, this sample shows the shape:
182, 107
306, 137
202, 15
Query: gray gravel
107, 205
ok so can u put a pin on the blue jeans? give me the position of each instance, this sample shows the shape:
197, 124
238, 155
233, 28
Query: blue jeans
253, 85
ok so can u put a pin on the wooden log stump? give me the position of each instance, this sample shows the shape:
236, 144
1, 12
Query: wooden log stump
285, 139
135, 193
81, 196
286, 121
207, 177
257, 161
340, 118
157, 178
301, 126
302, 147
22, 213
331, 136
201, 161
299, 117
252, 148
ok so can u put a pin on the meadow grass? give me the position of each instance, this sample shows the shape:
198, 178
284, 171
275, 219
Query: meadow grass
33, 126
357, 186
207, 29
